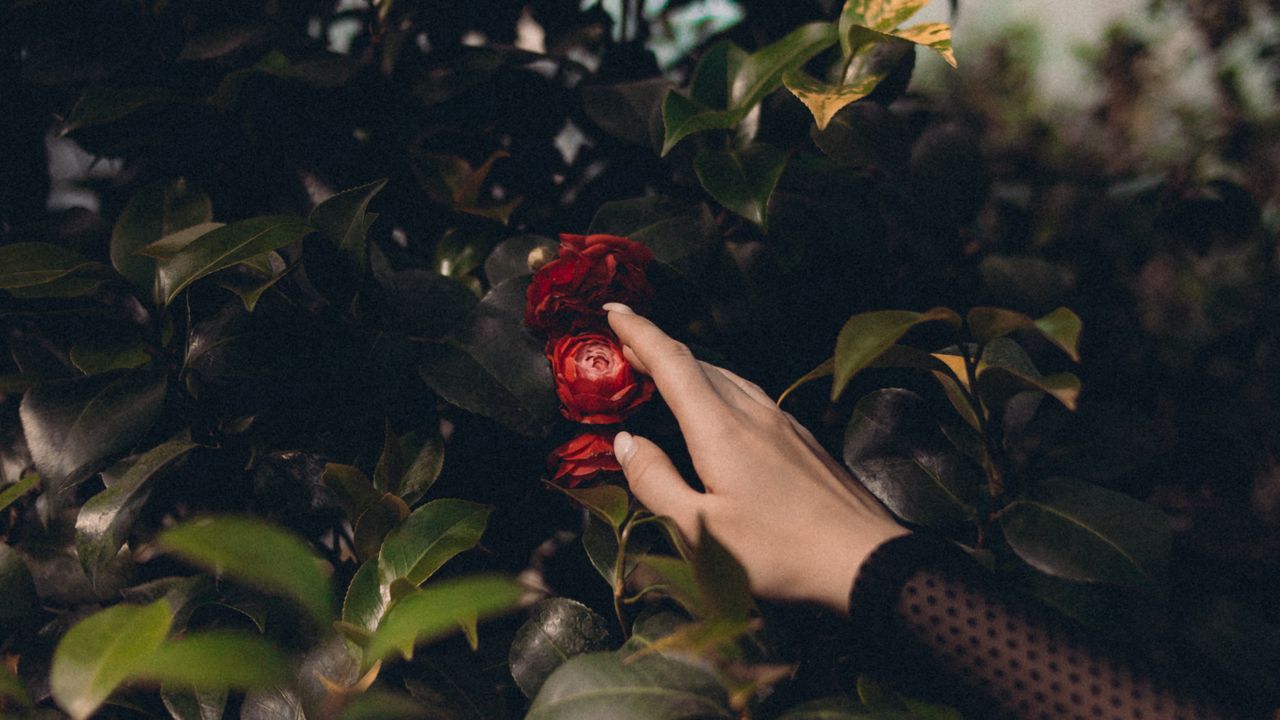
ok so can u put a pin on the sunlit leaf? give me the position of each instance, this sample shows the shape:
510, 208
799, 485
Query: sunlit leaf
825, 99
253, 552
865, 336
364, 603
429, 537
742, 180
102, 651
439, 610
557, 629
1005, 369
1061, 327
104, 521
225, 247
214, 659
610, 503
29, 481
1079, 531
861, 20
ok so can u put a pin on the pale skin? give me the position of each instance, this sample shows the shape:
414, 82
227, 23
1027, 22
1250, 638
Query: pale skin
791, 514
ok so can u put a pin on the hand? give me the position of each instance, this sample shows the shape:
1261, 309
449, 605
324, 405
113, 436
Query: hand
795, 519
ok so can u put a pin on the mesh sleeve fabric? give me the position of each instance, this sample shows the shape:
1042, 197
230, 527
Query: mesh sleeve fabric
922, 607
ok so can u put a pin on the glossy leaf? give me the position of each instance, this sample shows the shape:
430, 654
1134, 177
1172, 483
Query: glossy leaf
429, 537
102, 651
255, 553
1061, 327
1079, 531
188, 703
861, 20
111, 353
375, 522
250, 280
647, 687
742, 180
24, 265
439, 610
866, 336
104, 521
557, 629
73, 427
895, 449
342, 221
172, 243
494, 366
758, 75
227, 246
600, 541
424, 454
154, 212
214, 659
278, 703
364, 603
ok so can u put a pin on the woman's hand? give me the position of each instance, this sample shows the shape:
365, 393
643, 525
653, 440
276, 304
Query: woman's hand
795, 519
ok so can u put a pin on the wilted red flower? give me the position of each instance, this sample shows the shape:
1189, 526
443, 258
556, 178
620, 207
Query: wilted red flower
596, 384
583, 459
566, 294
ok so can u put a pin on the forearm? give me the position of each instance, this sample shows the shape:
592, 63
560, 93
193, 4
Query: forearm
931, 609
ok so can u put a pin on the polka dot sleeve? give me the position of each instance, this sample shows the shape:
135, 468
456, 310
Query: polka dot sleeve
921, 606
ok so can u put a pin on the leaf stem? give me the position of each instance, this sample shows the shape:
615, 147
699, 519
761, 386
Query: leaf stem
620, 576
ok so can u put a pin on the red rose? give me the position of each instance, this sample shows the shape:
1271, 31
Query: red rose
596, 384
566, 294
584, 458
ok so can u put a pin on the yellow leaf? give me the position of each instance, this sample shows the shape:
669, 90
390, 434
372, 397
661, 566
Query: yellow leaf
935, 36
823, 99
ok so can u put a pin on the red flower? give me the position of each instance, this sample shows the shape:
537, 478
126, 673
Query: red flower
596, 384
566, 294
584, 458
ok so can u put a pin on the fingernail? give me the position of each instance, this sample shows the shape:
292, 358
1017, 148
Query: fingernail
618, 308
624, 446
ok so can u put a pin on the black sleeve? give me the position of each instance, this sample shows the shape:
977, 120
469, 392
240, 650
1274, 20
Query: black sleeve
923, 610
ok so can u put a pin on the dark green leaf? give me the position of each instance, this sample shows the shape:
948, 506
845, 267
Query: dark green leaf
72, 427
154, 212
341, 220
188, 703
251, 283
350, 488
214, 659
253, 552
742, 180
99, 105
557, 629
1078, 531
629, 110
895, 449
495, 367
104, 521
102, 651
865, 336
17, 593
384, 705
678, 233
225, 247
865, 134
375, 522
24, 265
725, 593
390, 465
648, 687
600, 541
439, 610
510, 258
712, 82
364, 604
758, 75
104, 354
424, 452
432, 535
279, 703
1005, 369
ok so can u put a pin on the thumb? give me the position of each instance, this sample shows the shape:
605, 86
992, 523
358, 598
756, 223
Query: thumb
655, 481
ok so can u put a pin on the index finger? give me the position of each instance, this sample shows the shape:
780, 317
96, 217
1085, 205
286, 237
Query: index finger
674, 370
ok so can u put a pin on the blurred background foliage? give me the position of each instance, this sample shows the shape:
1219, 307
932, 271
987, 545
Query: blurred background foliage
335, 337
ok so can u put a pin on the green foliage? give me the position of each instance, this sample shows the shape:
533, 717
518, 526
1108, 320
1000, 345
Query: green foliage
273, 359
